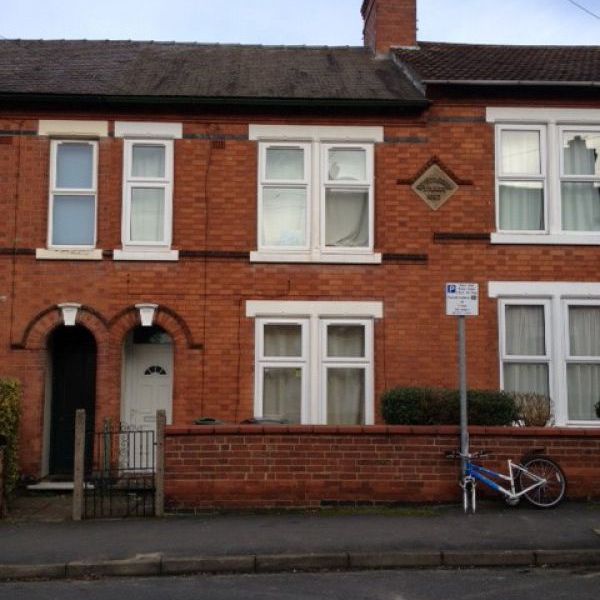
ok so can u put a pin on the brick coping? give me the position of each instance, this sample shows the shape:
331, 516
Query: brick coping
383, 430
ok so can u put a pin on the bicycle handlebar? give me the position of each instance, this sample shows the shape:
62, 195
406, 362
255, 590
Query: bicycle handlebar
458, 454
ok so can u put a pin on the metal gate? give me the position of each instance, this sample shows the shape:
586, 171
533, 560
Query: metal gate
120, 479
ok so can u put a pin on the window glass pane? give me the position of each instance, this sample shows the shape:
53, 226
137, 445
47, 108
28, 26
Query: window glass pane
525, 377
74, 166
282, 393
584, 331
581, 206
284, 217
522, 205
73, 220
285, 164
147, 214
148, 161
525, 331
583, 385
520, 152
581, 152
346, 341
347, 164
345, 396
346, 218
283, 340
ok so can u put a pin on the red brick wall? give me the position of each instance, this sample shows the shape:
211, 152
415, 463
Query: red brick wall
203, 299
250, 466
389, 23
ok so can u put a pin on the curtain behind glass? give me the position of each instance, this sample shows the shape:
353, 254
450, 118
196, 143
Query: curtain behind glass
583, 387
525, 331
282, 393
526, 377
147, 214
584, 331
520, 152
346, 341
347, 164
285, 164
284, 217
345, 396
522, 206
346, 218
283, 340
148, 161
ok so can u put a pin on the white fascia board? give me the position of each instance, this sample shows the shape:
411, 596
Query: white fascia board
542, 115
301, 308
138, 129
543, 289
73, 128
320, 133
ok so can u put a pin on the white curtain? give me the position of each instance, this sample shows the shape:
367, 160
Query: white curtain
148, 161
283, 340
285, 164
525, 336
346, 218
147, 214
345, 396
521, 152
282, 393
347, 164
346, 341
284, 217
580, 200
583, 380
521, 206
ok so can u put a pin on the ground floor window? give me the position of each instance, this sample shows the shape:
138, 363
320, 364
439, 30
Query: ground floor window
314, 368
550, 345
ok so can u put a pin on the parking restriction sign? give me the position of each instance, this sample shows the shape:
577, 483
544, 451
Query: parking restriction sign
462, 299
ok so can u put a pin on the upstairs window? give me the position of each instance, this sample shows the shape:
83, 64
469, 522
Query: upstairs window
73, 194
315, 196
148, 194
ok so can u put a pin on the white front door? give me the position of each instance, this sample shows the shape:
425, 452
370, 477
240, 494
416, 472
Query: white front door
150, 369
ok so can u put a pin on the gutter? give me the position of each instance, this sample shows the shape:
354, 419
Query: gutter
504, 82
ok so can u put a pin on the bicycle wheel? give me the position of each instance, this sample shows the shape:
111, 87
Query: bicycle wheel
549, 494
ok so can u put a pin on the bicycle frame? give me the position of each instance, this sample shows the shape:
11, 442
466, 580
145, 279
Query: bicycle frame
474, 473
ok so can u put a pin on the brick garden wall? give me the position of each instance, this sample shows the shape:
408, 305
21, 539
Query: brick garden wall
303, 466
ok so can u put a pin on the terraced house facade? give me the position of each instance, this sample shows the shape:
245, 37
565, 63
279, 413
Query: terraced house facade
247, 231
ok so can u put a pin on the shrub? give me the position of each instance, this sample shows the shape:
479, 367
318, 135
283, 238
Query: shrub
535, 410
10, 405
432, 406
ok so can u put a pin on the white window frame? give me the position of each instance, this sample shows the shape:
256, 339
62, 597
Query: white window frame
292, 362
563, 178
166, 183
502, 177
55, 191
315, 316
568, 357
506, 358
264, 183
319, 139
557, 297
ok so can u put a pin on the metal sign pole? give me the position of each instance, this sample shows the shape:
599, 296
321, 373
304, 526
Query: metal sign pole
462, 369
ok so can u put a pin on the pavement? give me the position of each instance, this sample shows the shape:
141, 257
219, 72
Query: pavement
342, 539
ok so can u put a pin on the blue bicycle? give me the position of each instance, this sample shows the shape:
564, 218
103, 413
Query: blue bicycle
536, 478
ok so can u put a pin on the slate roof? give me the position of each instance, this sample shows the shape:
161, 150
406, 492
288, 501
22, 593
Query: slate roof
443, 62
199, 71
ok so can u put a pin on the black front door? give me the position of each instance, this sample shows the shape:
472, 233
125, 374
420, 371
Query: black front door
73, 352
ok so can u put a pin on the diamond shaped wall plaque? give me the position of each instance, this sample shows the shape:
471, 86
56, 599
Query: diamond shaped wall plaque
435, 187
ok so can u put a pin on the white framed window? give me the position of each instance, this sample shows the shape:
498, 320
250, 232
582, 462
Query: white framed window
73, 194
550, 344
524, 346
314, 361
547, 175
147, 194
315, 194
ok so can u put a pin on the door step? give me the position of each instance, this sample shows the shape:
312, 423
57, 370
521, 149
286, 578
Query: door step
55, 486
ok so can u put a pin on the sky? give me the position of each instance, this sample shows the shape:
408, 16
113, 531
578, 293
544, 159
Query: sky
312, 22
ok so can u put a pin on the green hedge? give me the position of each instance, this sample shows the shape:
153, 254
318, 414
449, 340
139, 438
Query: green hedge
10, 407
431, 406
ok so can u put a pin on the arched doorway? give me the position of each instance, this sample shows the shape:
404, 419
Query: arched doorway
72, 381
147, 376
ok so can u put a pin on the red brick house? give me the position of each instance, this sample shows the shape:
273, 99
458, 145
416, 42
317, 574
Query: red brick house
235, 231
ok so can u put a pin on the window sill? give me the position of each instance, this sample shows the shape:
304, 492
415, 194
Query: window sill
317, 257
147, 255
568, 239
67, 254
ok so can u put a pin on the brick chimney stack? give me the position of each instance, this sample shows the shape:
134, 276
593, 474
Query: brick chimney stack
389, 23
